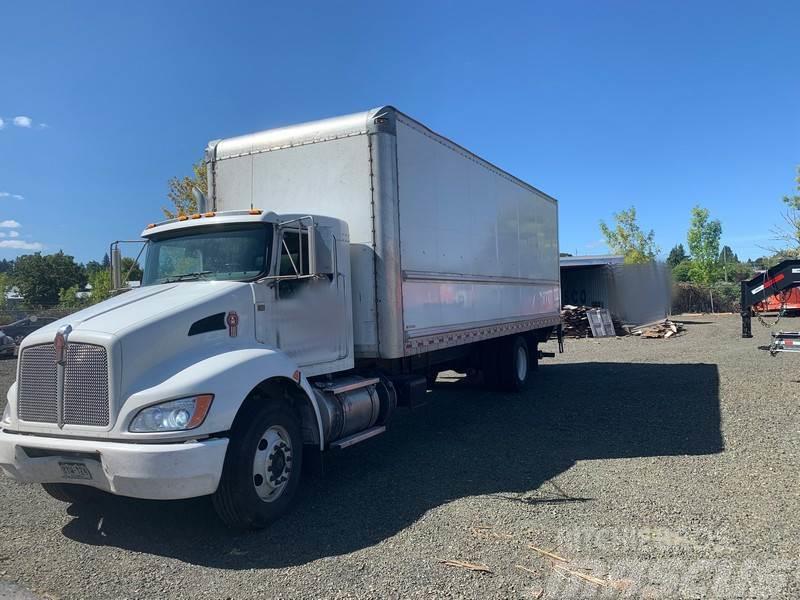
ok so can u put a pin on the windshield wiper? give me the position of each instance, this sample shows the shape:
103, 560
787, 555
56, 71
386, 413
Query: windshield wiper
185, 276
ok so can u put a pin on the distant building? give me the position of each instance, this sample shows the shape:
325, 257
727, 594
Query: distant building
636, 294
13, 295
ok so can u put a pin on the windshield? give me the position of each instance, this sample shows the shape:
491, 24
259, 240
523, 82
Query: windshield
216, 253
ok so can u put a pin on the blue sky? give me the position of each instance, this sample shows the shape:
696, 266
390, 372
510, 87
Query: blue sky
661, 105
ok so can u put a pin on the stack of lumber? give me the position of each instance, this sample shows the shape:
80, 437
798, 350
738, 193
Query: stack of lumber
575, 323
663, 329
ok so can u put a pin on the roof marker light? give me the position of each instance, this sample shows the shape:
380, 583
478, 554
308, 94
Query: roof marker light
150, 226
255, 211
196, 216
183, 218
209, 214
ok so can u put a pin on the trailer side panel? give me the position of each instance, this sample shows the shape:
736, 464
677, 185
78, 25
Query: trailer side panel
479, 248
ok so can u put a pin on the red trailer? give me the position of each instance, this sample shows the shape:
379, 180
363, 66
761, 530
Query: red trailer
788, 301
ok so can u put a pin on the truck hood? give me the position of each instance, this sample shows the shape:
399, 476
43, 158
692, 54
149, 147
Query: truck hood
137, 307
148, 334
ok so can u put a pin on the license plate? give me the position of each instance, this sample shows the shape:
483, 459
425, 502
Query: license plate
74, 470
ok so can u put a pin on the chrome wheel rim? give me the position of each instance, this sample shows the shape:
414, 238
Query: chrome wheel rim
522, 363
272, 463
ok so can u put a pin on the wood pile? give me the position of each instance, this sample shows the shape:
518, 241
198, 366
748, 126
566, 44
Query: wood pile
575, 323
663, 329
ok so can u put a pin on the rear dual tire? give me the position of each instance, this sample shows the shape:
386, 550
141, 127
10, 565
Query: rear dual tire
508, 362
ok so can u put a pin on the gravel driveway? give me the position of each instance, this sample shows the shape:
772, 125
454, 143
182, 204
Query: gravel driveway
657, 468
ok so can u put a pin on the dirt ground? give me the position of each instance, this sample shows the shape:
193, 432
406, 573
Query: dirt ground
653, 468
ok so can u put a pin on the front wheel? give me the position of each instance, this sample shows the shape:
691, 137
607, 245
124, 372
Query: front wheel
262, 469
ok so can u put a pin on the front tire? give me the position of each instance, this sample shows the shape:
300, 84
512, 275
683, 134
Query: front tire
262, 468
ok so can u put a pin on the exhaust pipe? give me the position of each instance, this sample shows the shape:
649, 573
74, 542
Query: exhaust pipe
116, 267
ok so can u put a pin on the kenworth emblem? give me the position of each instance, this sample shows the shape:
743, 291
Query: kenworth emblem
233, 324
60, 343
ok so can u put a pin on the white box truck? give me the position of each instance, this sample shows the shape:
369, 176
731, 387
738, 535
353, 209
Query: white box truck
334, 269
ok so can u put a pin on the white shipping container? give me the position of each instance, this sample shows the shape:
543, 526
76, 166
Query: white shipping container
446, 248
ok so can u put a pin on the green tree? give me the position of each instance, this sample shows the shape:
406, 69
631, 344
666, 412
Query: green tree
680, 272
5, 283
739, 271
101, 286
677, 255
729, 264
6, 266
628, 239
40, 278
131, 271
180, 191
788, 235
703, 238
727, 255
92, 267
68, 297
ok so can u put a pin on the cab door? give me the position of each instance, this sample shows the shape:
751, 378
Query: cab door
310, 324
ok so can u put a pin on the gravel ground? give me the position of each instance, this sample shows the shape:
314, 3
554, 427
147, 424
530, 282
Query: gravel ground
664, 468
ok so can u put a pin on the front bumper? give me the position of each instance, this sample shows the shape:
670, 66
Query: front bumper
154, 471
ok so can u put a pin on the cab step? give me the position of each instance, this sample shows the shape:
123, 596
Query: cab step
361, 436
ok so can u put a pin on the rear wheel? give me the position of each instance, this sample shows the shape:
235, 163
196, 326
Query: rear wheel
262, 469
73, 493
507, 364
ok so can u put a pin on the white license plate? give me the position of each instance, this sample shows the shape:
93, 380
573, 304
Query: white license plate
74, 470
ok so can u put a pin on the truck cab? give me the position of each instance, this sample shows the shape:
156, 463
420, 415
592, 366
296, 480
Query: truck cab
138, 395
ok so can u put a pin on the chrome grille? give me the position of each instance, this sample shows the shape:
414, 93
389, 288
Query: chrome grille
38, 385
85, 385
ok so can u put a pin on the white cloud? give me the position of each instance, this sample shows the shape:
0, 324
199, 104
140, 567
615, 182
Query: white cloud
21, 245
2, 123
43, 125
10, 224
10, 195
23, 121
13, 234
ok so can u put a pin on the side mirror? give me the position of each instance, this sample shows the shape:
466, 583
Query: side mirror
312, 248
297, 250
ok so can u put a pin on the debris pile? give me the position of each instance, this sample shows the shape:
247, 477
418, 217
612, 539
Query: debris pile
575, 323
662, 329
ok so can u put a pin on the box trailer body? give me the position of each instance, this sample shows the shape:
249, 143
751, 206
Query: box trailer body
333, 270
446, 248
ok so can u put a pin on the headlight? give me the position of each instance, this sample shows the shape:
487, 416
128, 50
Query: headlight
175, 415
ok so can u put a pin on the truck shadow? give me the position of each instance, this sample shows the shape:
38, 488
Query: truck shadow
465, 442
